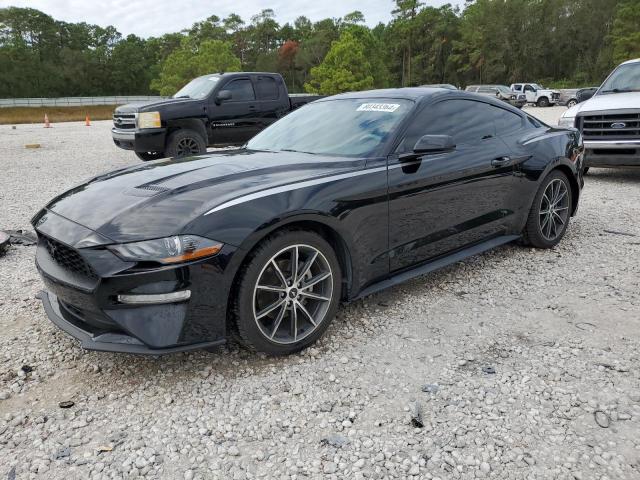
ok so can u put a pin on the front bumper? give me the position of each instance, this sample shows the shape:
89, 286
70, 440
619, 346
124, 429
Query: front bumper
612, 153
90, 339
145, 140
85, 289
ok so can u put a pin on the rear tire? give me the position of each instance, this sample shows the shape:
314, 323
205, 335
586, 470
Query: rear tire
543, 102
572, 103
550, 213
184, 143
149, 156
275, 312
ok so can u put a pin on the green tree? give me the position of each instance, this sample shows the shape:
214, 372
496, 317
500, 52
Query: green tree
626, 31
190, 61
345, 68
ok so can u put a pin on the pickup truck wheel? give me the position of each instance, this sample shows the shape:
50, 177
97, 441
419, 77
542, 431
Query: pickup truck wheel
572, 103
148, 156
543, 102
183, 143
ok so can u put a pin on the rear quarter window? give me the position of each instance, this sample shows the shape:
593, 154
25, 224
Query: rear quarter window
267, 88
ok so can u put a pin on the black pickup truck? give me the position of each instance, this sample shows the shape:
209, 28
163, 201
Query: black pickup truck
217, 109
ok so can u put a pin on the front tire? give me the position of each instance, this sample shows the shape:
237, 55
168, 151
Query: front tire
550, 213
543, 102
184, 143
149, 156
288, 293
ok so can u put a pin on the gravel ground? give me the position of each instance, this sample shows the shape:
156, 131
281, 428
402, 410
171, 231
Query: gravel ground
516, 364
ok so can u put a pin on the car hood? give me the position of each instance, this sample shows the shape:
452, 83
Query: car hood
609, 101
156, 105
159, 199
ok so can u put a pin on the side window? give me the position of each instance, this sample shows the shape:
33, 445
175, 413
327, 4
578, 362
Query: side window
517, 88
506, 122
241, 90
267, 88
467, 121
528, 88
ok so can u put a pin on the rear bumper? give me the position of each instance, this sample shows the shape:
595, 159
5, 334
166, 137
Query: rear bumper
148, 140
612, 153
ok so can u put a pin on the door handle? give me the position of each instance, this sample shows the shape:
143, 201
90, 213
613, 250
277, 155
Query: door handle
500, 161
252, 107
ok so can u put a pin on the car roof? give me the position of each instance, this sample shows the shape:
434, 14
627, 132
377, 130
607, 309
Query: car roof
419, 94
635, 60
409, 93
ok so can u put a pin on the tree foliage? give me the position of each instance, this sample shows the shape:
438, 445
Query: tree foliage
561, 42
191, 60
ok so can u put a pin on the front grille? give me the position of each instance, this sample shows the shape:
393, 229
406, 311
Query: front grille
68, 258
615, 126
124, 121
555, 96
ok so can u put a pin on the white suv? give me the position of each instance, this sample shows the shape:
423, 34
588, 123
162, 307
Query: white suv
610, 120
541, 96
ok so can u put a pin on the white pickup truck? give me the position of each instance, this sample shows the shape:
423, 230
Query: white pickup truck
542, 97
610, 120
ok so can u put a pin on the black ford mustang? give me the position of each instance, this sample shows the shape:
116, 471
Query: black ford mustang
342, 198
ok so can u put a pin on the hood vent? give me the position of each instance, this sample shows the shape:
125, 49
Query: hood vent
148, 190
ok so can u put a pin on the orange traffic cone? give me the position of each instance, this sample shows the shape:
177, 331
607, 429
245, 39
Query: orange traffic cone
46, 121
87, 122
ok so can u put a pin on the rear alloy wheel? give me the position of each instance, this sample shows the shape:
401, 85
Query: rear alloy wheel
549, 216
184, 143
543, 102
149, 156
288, 294
572, 103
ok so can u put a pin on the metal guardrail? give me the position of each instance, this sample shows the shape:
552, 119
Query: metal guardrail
75, 101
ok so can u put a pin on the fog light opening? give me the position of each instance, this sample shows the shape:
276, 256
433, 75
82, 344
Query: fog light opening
155, 298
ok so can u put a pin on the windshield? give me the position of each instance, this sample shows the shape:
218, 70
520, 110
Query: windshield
625, 78
349, 127
199, 87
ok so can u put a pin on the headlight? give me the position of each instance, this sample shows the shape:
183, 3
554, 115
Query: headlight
181, 248
149, 120
566, 121
513, 97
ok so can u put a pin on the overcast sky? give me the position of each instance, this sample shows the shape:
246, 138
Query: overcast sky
154, 17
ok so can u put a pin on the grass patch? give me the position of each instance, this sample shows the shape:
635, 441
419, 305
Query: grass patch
16, 115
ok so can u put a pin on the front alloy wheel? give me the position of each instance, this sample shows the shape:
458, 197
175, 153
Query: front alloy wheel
293, 294
288, 293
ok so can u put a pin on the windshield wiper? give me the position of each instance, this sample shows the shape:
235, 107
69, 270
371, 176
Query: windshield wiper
620, 90
296, 151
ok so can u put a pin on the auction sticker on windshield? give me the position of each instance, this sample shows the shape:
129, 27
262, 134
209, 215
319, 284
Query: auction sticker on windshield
378, 107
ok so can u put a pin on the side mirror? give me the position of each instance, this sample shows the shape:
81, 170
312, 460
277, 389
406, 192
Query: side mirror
223, 95
434, 144
585, 95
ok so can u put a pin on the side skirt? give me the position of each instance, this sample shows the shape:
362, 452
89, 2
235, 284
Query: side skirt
436, 264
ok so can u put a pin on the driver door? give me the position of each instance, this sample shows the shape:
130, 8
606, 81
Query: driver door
236, 120
530, 92
443, 202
